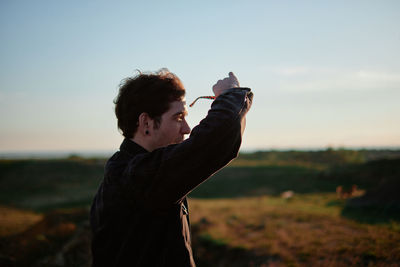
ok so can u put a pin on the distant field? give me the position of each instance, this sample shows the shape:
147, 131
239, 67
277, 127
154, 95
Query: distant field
42, 185
238, 216
307, 230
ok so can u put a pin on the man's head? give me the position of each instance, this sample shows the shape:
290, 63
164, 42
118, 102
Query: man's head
151, 109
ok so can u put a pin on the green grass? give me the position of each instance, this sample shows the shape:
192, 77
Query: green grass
238, 217
47, 184
261, 180
304, 231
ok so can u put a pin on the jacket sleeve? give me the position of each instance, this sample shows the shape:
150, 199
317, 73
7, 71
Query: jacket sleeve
168, 174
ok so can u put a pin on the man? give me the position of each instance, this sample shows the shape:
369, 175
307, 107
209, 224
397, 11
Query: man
140, 216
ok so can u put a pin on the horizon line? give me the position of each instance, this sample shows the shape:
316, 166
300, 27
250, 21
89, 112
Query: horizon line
88, 153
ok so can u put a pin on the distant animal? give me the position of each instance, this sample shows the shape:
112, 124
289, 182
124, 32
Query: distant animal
287, 194
342, 193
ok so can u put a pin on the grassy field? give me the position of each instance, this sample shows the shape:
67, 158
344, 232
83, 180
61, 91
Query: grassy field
307, 230
239, 217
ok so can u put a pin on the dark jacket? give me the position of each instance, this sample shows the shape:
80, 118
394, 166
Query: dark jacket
139, 216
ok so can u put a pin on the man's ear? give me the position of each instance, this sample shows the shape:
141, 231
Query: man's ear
145, 124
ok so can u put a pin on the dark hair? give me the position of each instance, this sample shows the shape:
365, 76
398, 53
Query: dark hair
151, 93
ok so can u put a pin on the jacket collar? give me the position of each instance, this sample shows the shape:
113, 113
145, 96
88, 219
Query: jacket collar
131, 147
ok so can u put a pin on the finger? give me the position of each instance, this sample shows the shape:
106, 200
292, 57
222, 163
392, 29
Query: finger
233, 77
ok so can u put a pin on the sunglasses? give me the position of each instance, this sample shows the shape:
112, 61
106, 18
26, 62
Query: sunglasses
205, 97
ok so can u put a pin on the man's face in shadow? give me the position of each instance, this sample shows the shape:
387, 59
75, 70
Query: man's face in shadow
173, 126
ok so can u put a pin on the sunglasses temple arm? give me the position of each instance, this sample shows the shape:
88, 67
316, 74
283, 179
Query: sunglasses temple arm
191, 105
206, 97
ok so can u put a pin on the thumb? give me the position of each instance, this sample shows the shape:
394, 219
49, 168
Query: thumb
233, 78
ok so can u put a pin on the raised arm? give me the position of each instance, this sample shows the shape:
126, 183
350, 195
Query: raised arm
170, 173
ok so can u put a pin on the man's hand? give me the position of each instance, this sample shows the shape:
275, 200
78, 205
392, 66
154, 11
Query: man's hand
225, 84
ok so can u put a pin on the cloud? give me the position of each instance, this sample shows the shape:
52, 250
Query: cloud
382, 77
303, 78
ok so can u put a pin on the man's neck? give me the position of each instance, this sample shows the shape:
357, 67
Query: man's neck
141, 142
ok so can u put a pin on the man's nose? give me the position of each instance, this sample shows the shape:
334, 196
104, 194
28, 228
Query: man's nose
185, 128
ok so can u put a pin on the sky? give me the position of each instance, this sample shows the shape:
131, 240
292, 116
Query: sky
324, 73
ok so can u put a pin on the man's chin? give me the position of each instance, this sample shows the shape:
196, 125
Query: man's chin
180, 140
